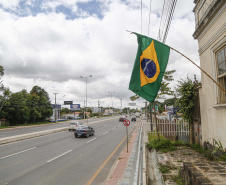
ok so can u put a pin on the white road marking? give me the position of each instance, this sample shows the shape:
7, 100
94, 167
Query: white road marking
119, 126
18, 153
105, 133
58, 156
113, 128
91, 140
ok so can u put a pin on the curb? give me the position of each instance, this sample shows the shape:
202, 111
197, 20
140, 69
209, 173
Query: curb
6, 140
154, 174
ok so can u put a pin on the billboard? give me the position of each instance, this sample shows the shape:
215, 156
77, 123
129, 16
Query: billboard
75, 106
132, 104
68, 102
156, 108
58, 106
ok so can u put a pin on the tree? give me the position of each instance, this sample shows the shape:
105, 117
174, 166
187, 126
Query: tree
164, 88
169, 101
4, 91
43, 103
23, 107
65, 111
185, 90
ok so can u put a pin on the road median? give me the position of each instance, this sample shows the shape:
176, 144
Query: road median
10, 139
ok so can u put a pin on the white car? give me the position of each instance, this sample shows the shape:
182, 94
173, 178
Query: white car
74, 125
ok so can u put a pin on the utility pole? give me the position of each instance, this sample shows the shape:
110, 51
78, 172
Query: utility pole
112, 102
84, 115
98, 107
121, 105
55, 108
86, 91
146, 109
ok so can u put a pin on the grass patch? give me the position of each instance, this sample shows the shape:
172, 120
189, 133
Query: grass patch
166, 168
162, 144
178, 179
165, 145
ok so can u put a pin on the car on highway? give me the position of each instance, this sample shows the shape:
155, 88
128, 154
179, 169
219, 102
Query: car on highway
122, 118
133, 119
84, 130
74, 125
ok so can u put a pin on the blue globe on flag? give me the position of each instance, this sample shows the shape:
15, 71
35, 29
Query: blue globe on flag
149, 68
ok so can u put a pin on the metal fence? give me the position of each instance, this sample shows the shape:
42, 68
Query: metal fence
167, 128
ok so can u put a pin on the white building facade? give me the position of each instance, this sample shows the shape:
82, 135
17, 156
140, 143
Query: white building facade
211, 35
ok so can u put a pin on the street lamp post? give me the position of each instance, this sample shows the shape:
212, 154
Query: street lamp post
112, 102
86, 92
56, 110
55, 107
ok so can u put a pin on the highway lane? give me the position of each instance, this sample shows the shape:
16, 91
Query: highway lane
61, 158
25, 130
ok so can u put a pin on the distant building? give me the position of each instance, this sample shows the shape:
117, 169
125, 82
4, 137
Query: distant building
108, 112
210, 31
96, 109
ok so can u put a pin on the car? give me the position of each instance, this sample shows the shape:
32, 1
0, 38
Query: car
74, 125
133, 119
84, 130
122, 118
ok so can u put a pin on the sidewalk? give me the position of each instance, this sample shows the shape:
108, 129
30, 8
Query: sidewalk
118, 170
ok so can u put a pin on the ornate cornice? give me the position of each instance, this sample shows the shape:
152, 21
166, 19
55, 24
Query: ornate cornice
207, 17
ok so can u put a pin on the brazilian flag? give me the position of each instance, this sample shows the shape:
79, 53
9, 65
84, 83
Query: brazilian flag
149, 67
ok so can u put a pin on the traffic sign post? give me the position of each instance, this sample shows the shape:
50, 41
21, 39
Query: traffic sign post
126, 122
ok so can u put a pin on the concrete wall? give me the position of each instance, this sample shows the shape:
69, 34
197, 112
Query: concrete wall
213, 116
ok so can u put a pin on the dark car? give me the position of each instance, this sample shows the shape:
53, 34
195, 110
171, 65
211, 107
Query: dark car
84, 131
133, 119
122, 118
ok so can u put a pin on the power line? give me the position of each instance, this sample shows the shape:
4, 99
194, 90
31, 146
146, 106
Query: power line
167, 14
170, 18
149, 17
141, 14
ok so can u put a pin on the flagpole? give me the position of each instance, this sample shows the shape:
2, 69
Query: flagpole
194, 64
200, 69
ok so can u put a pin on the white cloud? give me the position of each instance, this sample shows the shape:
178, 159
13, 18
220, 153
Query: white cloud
9, 4
53, 52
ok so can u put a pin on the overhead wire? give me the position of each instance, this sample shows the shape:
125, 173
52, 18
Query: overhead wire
141, 15
149, 17
169, 22
166, 17
166, 14
158, 38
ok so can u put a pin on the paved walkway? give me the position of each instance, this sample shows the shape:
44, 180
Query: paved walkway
120, 166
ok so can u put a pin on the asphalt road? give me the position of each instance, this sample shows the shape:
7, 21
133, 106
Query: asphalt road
37, 128
62, 159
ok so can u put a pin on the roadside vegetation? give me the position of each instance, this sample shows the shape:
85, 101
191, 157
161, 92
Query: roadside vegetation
165, 145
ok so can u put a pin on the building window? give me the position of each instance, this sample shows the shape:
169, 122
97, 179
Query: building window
221, 67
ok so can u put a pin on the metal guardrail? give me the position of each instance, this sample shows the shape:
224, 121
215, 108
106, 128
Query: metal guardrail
133, 173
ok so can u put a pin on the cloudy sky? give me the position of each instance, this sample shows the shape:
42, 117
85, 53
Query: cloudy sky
51, 43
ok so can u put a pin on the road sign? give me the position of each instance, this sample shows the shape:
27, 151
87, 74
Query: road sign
75, 106
126, 122
132, 104
68, 102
